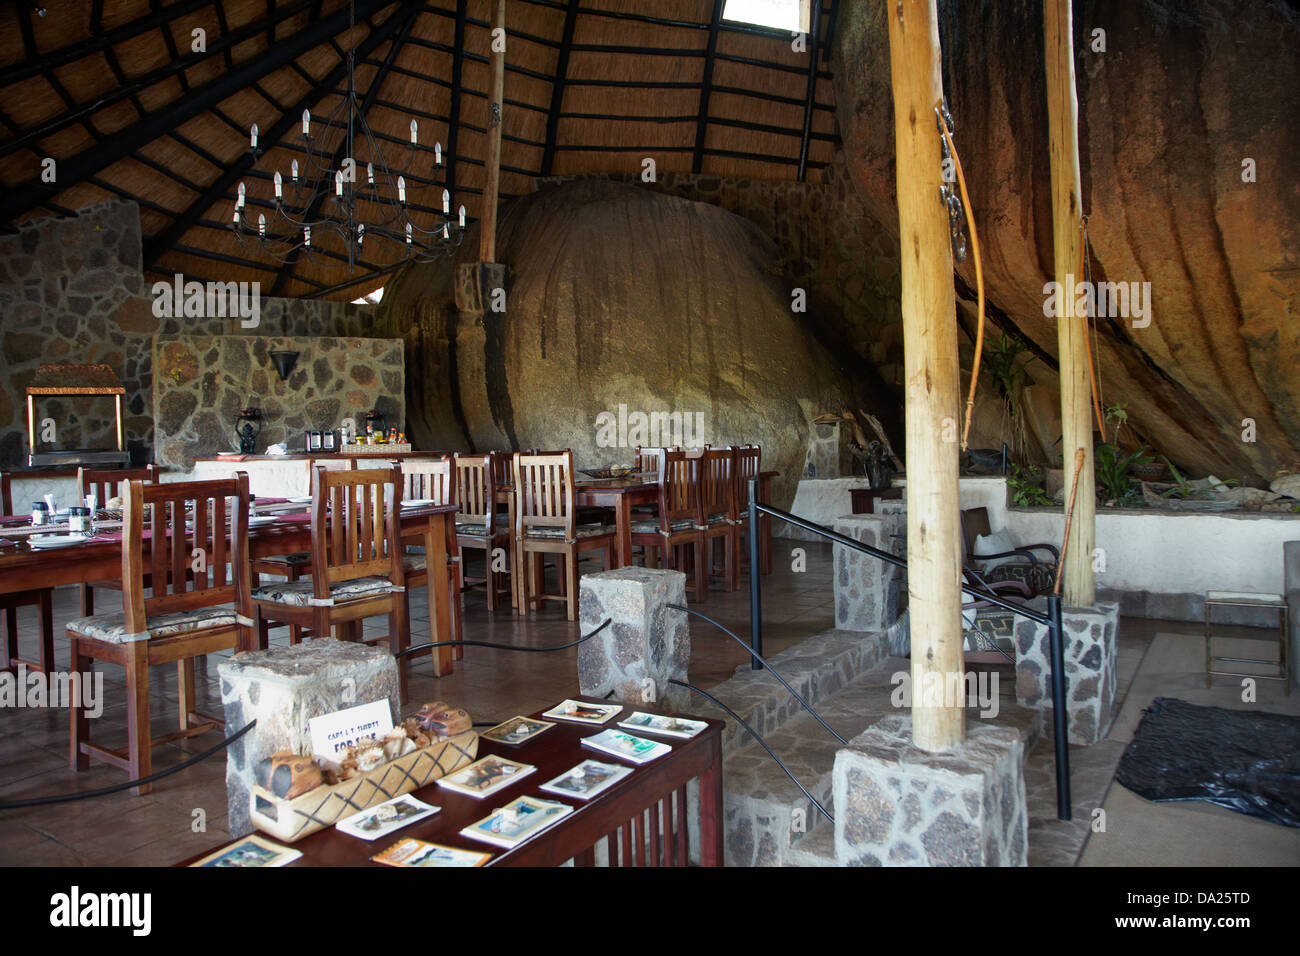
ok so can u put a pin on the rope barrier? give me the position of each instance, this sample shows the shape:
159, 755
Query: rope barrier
504, 647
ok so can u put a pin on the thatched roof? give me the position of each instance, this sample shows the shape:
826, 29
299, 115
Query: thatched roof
115, 94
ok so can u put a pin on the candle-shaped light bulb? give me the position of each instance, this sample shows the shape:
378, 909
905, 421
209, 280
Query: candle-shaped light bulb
361, 233
261, 224
445, 233
252, 137
293, 171
306, 235
338, 183
408, 233
462, 217
306, 122
415, 132
446, 202
401, 189
236, 219
437, 154
279, 186
370, 174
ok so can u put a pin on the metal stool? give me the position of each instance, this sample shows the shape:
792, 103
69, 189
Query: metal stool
1248, 599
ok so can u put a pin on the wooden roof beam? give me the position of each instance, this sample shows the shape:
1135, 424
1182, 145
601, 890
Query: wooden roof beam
810, 98
557, 86
706, 87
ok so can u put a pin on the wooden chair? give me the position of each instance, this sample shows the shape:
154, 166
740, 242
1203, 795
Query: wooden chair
717, 511
424, 480
295, 566
104, 484
546, 523
1023, 563
197, 607
749, 460
356, 559
478, 525
677, 523
40, 598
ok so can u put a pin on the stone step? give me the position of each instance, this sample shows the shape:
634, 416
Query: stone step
766, 815
814, 848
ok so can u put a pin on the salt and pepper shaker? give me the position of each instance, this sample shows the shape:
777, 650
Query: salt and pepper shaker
40, 513
79, 520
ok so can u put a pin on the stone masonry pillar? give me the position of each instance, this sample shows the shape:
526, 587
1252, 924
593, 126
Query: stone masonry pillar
646, 642
1090, 638
284, 688
868, 591
897, 805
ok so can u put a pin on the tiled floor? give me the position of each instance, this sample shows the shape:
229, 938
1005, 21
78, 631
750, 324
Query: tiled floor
186, 812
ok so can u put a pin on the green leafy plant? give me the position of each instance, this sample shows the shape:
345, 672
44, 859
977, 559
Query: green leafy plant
1114, 471
1004, 362
1026, 488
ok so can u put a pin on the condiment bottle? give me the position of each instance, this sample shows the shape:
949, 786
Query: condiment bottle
40, 513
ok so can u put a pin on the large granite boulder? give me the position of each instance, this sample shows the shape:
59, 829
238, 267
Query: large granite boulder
1185, 92
620, 301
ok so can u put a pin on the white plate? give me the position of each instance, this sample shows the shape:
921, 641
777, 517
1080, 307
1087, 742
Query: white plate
419, 503
257, 521
40, 542
301, 500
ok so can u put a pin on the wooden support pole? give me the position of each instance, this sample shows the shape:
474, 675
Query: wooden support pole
1071, 329
932, 379
487, 243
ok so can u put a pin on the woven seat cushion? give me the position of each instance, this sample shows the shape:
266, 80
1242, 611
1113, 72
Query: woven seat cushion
302, 593
466, 528
297, 559
414, 562
719, 519
651, 527
557, 534
112, 627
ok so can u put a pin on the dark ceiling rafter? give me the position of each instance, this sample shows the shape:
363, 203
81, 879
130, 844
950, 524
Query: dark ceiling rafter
457, 90
557, 86
170, 42
706, 87
376, 83
321, 88
99, 41
810, 98
17, 201
142, 83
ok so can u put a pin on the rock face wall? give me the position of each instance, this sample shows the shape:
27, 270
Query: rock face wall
620, 302
1183, 94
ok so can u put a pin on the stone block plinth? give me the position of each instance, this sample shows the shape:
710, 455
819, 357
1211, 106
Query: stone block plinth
646, 642
897, 805
1091, 635
868, 591
285, 687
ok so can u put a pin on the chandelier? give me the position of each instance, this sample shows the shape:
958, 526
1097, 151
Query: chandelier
337, 197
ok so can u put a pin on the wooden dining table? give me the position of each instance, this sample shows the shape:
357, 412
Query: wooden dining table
23, 568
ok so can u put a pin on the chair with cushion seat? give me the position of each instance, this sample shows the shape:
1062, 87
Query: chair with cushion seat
676, 526
39, 598
356, 560
197, 541
717, 511
546, 523
105, 484
477, 524
996, 557
432, 481
297, 565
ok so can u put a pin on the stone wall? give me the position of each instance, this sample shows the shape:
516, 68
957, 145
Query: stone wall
202, 382
72, 290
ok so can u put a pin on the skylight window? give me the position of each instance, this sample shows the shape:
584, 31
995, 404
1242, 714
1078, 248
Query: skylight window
788, 15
